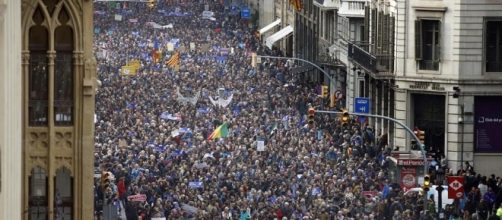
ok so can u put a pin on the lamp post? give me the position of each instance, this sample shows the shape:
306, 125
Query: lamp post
440, 189
408, 129
331, 80
301, 60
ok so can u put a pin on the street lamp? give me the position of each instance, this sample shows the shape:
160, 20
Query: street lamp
408, 129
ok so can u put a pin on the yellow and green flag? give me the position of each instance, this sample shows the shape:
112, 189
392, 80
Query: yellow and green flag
131, 69
220, 132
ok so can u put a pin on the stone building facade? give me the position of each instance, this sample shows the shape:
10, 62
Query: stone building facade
47, 104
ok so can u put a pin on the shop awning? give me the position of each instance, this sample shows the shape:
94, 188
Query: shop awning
270, 26
278, 35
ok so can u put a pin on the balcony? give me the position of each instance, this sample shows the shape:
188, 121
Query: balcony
362, 57
382, 64
327, 4
352, 8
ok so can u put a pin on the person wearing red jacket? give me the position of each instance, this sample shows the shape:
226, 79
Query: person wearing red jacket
121, 188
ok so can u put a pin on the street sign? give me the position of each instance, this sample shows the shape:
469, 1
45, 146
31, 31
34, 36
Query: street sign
455, 187
362, 105
245, 13
338, 94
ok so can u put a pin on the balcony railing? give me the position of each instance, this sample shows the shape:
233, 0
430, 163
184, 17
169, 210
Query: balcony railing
327, 4
362, 57
352, 8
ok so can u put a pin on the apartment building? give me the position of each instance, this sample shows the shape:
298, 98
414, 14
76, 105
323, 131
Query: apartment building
448, 77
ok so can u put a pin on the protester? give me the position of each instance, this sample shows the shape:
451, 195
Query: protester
152, 127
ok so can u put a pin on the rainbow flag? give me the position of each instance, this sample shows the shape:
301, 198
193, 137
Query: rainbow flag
220, 132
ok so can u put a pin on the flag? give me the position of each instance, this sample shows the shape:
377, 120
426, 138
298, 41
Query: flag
156, 53
128, 71
297, 4
220, 132
273, 130
130, 68
168, 116
174, 61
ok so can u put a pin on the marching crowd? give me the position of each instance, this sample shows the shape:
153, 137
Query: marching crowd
270, 165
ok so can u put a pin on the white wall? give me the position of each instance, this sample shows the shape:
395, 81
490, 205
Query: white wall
10, 109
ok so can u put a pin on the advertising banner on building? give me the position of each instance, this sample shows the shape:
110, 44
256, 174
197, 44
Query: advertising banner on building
408, 178
455, 187
488, 124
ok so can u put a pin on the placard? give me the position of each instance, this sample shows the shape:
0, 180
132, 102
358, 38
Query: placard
455, 187
260, 145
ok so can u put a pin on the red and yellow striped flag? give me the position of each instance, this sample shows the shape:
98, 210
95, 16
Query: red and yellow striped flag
174, 60
297, 4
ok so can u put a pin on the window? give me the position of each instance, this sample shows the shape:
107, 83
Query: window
63, 85
38, 72
38, 194
362, 87
63, 194
427, 44
493, 46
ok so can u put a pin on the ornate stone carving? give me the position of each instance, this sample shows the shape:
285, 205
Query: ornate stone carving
39, 140
89, 76
78, 57
35, 161
26, 57
64, 140
90, 67
60, 162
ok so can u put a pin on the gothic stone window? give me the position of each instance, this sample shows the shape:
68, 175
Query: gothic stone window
38, 202
41, 55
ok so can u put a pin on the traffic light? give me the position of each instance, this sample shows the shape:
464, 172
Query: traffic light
427, 183
456, 92
151, 4
332, 103
421, 136
105, 180
324, 91
310, 117
345, 117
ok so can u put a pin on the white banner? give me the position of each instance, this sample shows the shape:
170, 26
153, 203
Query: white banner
118, 17
260, 145
221, 102
192, 100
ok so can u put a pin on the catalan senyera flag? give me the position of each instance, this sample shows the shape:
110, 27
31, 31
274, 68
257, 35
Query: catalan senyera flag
156, 53
174, 60
220, 132
297, 4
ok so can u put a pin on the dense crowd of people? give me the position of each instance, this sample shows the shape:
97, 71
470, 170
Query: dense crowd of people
272, 165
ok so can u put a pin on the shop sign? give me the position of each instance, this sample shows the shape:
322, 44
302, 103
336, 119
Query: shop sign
410, 162
408, 178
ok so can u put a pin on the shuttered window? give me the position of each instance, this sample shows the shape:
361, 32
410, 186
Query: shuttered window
427, 44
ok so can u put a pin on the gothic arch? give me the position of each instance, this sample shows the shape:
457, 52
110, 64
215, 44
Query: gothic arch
50, 21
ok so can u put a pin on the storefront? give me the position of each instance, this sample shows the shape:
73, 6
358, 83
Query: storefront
407, 169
